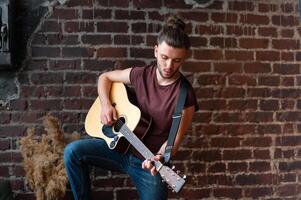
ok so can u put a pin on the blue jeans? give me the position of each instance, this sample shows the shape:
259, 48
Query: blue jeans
79, 154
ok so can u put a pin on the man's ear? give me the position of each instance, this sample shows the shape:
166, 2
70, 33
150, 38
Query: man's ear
156, 51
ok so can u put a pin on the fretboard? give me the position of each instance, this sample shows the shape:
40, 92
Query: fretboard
139, 146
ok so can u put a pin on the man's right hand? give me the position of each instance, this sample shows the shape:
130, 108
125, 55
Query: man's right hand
108, 115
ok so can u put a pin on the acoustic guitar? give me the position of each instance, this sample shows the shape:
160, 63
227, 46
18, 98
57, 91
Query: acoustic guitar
126, 126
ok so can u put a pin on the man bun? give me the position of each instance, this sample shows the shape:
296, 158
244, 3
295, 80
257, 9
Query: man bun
173, 21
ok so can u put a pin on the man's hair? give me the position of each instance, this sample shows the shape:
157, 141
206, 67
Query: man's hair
173, 33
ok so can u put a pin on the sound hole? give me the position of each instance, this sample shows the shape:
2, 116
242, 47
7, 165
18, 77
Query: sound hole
118, 124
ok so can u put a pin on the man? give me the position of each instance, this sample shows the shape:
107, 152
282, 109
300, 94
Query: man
157, 88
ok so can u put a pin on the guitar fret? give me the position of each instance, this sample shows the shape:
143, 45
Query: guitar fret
134, 140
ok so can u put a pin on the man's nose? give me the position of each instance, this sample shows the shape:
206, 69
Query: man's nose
169, 63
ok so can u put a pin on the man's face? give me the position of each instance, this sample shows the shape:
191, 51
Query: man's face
169, 59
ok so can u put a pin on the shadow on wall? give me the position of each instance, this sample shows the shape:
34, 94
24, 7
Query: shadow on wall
27, 15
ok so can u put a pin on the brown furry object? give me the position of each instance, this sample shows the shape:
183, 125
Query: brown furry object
43, 160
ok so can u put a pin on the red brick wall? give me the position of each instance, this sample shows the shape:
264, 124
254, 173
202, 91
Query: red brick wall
244, 142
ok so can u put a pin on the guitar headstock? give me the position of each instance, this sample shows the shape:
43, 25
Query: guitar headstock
174, 180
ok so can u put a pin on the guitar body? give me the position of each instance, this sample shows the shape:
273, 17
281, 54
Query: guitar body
126, 110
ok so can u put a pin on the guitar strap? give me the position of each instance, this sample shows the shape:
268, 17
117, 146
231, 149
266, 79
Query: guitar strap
176, 119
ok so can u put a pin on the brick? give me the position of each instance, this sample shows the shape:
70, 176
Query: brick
223, 42
196, 66
257, 142
257, 67
130, 15
237, 154
45, 52
258, 192
210, 30
176, 4
286, 93
208, 156
232, 117
51, 26
77, 104
47, 78
118, 27
253, 43
224, 17
72, 64
267, 31
288, 190
223, 142
232, 92
241, 6
75, 26
37, 64
288, 81
254, 19
233, 193
59, 39
286, 21
242, 104
28, 117
212, 104
286, 44
259, 92
254, 179
269, 105
139, 40
81, 78
96, 39
269, 80
39, 39
111, 52
46, 105
98, 65
211, 80
237, 167
242, 80
141, 53
269, 129
79, 3
11, 157
64, 14
122, 39
288, 69
267, 56
259, 117
208, 54
5, 144
262, 154
195, 194
96, 13
194, 16
4, 171
76, 52
289, 33
288, 141
239, 30
217, 168
239, 55
267, 7
139, 27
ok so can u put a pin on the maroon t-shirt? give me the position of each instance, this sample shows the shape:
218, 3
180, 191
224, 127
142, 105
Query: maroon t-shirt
158, 102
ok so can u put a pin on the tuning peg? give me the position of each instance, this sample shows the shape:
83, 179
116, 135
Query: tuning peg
173, 167
184, 177
163, 181
173, 191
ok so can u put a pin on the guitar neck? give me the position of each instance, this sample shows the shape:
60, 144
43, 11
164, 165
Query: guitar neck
136, 142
